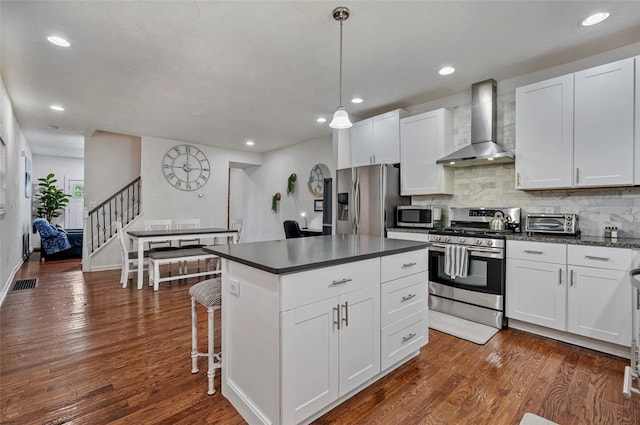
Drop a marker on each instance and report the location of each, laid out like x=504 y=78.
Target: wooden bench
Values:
x=158 y=258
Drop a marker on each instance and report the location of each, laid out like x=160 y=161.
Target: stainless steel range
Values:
x=479 y=295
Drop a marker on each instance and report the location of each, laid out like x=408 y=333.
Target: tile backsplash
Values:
x=494 y=185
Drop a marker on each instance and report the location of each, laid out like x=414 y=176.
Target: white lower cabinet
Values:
x=599 y=301
x=328 y=348
x=583 y=290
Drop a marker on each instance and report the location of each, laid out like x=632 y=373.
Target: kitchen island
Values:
x=309 y=322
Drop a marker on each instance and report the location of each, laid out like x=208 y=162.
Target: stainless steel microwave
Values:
x=566 y=224
x=418 y=216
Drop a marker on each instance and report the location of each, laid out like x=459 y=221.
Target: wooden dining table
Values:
x=139 y=237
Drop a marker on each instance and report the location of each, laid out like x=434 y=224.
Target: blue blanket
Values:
x=53 y=240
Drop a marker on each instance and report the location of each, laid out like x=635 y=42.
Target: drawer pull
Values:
x=407 y=297
x=528 y=251
x=340 y=282
x=593 y=257
x=408 y=264
x=408 y=337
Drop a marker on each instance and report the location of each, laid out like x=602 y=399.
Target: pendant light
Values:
x=341 y=117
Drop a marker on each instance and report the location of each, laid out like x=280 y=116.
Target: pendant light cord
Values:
x=340 y=95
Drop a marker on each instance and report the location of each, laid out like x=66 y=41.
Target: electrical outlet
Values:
x=234 y=287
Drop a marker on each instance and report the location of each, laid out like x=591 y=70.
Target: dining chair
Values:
x=292 y=229
x=129 y=258
x=188 y=223
x=158 y=224
x=237 y=224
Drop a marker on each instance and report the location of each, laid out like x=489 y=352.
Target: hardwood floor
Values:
x=79 y=349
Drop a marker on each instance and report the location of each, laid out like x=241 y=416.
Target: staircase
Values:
x=123 y=206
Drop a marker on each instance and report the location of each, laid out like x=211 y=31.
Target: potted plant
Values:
x=51 y=199
x=274 y=202
x=291 y=184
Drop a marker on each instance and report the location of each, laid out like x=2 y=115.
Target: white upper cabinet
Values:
x=577 y=130
x=423 y=139
x=603 y=126
x=376 y=140
x=544 y=134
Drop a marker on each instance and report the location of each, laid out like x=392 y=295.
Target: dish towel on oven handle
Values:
x=456 y=261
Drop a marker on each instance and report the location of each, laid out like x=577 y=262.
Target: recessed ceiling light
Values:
x=57 y=108
x=594 y=19
x=356 y=100
x=58 y=41
x=249 y=143
x=447 y=70
x=321 y=120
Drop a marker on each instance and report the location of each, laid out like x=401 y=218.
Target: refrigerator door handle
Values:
x=356 y=218
x=383 y=191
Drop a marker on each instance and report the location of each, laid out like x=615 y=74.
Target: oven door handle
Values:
x=479 y=252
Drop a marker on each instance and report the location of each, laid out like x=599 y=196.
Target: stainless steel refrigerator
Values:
x=366 y=198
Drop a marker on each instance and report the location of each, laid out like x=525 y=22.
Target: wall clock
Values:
x=316 y=180
x=186 y=167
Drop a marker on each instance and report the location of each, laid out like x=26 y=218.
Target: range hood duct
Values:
x=483 y=149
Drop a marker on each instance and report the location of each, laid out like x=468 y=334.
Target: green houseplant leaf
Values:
x=51 y=199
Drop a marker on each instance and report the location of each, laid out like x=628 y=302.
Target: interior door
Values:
x=73 y=211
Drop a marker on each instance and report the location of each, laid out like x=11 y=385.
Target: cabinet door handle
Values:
x=517 y=179
x=336 y=315
x=559 y=277
x=638 y=299
x=571 y=283
x=408 y=337
x=593 y=257
x=346 y=314
x=528 y=251
x=577 y=175
x=408 y=264
x=407 y=297
x=340 y=282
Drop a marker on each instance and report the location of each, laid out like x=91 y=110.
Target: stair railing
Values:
x=123 y=206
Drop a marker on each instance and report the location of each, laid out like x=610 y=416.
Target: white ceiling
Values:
x=221 y=72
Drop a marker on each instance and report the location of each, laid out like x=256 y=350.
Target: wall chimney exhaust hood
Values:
x=483 y=149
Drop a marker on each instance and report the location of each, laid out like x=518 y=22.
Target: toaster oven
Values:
x=566 y=224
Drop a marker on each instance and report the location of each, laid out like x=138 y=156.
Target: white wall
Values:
x=17 y=220
x=64 y=168
x=256 y=186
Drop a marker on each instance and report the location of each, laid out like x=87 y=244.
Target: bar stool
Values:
x=209 y=294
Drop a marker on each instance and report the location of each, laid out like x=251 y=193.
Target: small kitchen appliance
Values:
x=565 y=224
x=478 y=296
x=420 y=216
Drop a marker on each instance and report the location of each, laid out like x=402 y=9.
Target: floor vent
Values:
x=24 y=284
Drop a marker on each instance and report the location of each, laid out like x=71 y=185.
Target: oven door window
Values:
x=484 y=275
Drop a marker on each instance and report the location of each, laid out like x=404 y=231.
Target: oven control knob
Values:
x=437 y=238
x=478 y=241
x=488 y=242
x=446 y=239
x=461 y=240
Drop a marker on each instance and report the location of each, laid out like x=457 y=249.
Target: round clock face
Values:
x=186 y=167
x=316 y=181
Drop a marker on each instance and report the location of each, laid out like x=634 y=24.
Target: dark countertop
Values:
x=300 y=254
x=633 y=243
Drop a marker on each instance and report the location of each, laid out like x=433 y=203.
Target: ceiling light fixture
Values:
x=57 y=108
x=447 y=70
x=340 y=117
x=249 y=143
x=58 y=41
x=356 y=100
x=594 y=19
x=321 y=120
